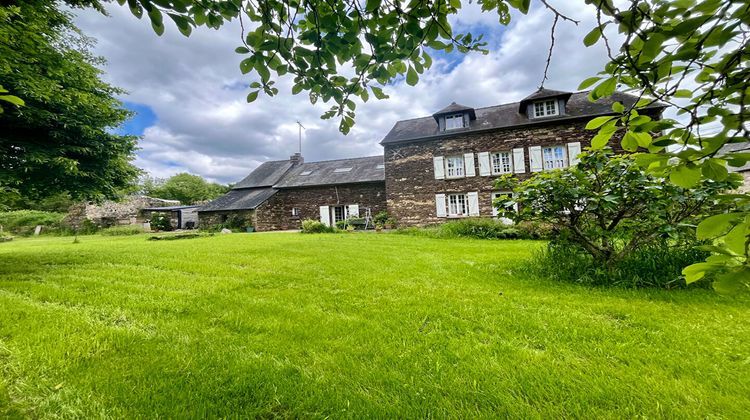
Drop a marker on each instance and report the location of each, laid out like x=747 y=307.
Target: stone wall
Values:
x=210 y=219
x=112 y=213
x=410 y=179
x=276 y=212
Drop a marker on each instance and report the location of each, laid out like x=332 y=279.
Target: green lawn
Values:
x=375 y=325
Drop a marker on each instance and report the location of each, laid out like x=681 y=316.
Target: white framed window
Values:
x=545 y=108
x=454 y=166
x=554 y=157
x=496 y=212
x=458 y=205
x=338 y=170
x=454 y=121
x=502 y=163
x=295 y=211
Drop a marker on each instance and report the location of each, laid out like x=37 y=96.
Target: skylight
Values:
x=342 y=169
x=380 y=167
x=304 y=173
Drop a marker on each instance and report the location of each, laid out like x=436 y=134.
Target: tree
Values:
x=187 y=188
x=609 y=206
x=60 y=137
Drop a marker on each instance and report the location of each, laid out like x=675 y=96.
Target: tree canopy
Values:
x=185 y=187
x=60 y=138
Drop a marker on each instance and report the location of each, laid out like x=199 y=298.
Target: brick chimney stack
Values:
x=296 y=159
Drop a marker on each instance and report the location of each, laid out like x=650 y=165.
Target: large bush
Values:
x=611 y=209
x=23 y=222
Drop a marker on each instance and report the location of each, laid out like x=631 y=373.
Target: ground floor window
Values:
x=554 y=157
x=295 y=211
x=457 y=205
x=338 y=213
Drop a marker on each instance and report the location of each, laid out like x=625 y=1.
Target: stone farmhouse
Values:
x=434 y=168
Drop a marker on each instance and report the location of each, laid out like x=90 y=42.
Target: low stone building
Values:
x=743 y=170
x=434 y=168
x=278 y=195
x=113 y=213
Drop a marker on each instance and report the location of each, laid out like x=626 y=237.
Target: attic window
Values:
x=454 y=121
x=342 y=170
x=380 y=167
x=545 y=108
x=305 y=173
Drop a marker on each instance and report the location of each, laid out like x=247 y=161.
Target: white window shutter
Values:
x=535 y=157
x=354 y=210
x=440 y=205
x=484 y=163
x=469 y=166
x=473 y=203
x=439 y=166
x=519 y=163
x=325 y=215
x=574 y=149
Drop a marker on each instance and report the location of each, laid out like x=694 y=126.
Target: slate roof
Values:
x=240 y=199
x=170 y=208
x=507 y=116
x=363 y=169
x=265 y=175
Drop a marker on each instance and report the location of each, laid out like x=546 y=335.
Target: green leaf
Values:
x=604 y=89
x=714 y=169
x=696 y=272
x=296 y=89
x=683 y=93
x=378 y=92
x=241 y=50
x=252 y=96
x=593 y=36
x=685 y=176
x=589 y=82
x=601 y=140
x=732 y=281
x=247 y=65
x=15 y=100
x=598 y=122
x=411 y=76
x=736 y=239
x=618 y=107
x=629 y=142
x=716 y=225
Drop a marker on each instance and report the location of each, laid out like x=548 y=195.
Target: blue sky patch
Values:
x=144 y=117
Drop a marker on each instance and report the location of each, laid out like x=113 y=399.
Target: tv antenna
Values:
x=300 y=136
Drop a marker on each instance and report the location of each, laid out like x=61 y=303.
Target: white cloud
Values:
x=205 y=126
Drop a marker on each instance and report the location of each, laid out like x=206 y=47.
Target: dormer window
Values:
x=545 y=108
x=454 y=121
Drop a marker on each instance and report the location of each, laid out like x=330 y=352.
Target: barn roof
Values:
x=332 y=172
x=265 y=175
x=239 y=199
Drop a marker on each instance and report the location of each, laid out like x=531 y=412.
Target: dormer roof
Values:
x=540 y=94
x=455 y=108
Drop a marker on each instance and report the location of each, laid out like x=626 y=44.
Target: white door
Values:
x=325 y=215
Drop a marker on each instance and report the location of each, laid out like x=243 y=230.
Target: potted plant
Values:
x=389 y=223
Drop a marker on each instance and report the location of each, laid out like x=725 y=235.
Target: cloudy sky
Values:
x=189 y=94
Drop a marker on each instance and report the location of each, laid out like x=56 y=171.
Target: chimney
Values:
x=296 y=159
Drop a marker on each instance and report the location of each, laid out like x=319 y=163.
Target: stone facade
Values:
x=410 y=178
x=276 y=212
x=208 y=219
x=112 y=213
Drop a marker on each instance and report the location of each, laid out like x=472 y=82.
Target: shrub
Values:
x=123 y=230
x=161 y=222
x=315 y=226
x=479 y=229
x=380 y=217
x=653 y=266
x=23 y=222
x=351 y=223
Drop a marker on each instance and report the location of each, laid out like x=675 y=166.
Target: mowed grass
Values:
x=358 y=325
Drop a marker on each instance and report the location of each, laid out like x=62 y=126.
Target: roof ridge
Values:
x=336 y=160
